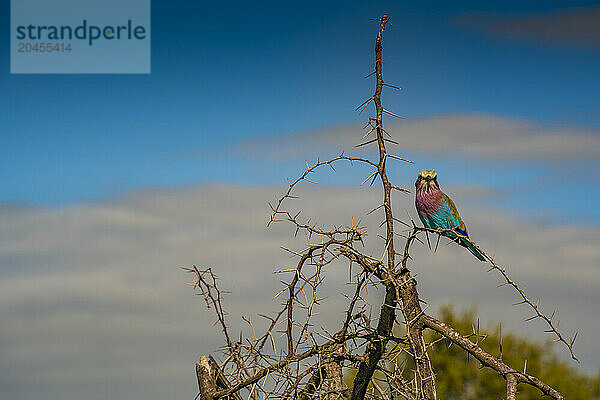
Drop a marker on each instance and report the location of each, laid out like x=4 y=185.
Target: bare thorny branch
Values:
x=507 y=280
x=294 y=359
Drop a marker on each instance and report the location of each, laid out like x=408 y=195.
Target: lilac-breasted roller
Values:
x=437 y=210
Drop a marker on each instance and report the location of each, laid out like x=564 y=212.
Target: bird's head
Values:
x=426 y=180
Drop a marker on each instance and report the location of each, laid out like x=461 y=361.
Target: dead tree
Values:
x=305 y=363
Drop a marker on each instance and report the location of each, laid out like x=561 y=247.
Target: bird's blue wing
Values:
x=443 y=217
x=453 y=217
x=446 y=217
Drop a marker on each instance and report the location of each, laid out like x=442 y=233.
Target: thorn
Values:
x=366 y=143
x=373 y=180
x=399 y=158
x=411 y=219
x=419 y=240
x=379 y=206
x=385 y=131
x=392 y=86
x=364 y=105
x=500 y=356
x=400 y=189
x=367 y=134
x=368 y=177
x=395 y=115
x=402 y=222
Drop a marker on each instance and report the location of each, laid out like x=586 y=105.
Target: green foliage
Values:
x=462 y=377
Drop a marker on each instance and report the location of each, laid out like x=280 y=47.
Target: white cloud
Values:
x=574 y=26
x=92 y=304
x=484 y=136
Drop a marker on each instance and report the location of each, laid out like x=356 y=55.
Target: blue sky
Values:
x=226 y=72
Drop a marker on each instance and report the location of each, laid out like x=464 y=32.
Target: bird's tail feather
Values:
x=466 y=244
x=474 y=250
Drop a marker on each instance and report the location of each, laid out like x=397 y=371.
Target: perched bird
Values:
x=437 y=210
